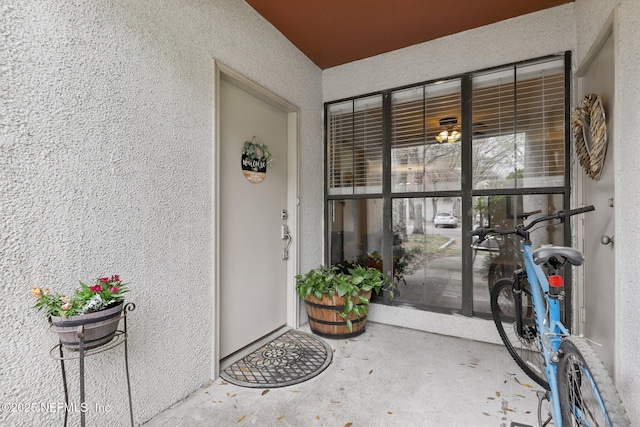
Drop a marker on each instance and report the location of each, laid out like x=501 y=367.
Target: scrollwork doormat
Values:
x=289 y=359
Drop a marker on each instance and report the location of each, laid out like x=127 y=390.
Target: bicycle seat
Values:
x=542 y=255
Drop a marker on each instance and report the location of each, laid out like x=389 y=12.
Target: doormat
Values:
x=291 y=358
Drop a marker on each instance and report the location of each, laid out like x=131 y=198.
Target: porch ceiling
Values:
x=334 y=32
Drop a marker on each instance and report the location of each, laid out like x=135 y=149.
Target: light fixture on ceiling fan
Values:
x=451 y=131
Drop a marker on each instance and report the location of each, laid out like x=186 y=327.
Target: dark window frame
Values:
x=466 y=193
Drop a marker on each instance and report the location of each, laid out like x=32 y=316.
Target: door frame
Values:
x=608 y=29
x=223 y=72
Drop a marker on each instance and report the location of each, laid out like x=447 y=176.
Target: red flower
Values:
x=113 y=289
x=104 y=279
x=115 y=278
x=96 y=288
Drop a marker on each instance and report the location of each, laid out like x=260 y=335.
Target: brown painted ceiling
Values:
x=334 y=32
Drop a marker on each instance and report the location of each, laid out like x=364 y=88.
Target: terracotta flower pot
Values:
x=99 y=327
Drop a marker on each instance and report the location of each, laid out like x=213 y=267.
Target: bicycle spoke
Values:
x=524 y=344
x=587 y=394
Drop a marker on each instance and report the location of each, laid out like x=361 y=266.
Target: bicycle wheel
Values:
x=524 y=347
x=587 y=394
x=500 y=268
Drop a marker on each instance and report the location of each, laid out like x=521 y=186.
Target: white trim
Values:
x=609 y=29
x=215 y=237
x=222 y=72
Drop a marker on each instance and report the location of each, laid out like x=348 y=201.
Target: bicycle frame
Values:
x=549 y=326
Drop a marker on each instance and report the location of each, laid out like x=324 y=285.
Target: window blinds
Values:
x=354 y=148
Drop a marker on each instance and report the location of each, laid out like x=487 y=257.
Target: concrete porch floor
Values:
x=388 y=376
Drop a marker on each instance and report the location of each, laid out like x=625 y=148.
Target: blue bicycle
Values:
x=527 y=312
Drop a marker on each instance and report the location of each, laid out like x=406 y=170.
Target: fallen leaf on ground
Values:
x=281 y=417
x=390 y=413
x=370 y=372
x=488 y=415
x=498 y=393
x=241 y=419
x=265 y=392
x=348 y=424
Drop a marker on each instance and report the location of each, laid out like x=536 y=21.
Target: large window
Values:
x=419 y=162
x=410 y=171
x=355 y=150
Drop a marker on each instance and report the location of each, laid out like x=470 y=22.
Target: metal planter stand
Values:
x=120 y=337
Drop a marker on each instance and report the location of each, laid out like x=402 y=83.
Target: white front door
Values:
x=252 y=271
x=598 y=297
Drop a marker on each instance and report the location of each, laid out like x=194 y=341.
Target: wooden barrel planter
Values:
x=99 y=327
x=325 y=320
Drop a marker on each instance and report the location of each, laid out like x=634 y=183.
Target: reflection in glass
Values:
x=498 y=257
x=427 y=252
x=420 y=159
x=354 y=146
x=518 y=126
x=356 y=231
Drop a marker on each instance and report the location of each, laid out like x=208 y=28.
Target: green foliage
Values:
x=86 y=299
x=255 y=151
x=347 y=281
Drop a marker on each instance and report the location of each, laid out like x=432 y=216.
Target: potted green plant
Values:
x=337 y=298
x=97 y=308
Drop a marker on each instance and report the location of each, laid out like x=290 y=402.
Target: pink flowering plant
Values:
x=87 y=299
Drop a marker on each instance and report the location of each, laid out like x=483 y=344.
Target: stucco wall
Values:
x=591 y=17
x=537 y=34
x=106 y=116
x=543 y=33
x=572 y=27
x=628 y=201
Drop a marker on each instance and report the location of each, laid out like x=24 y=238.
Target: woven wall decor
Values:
x=590 y=134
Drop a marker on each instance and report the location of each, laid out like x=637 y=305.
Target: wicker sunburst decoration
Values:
x=590 y=134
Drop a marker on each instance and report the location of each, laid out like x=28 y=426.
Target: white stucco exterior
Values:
x=106 y=132
x=544 y=33
x=547 y=32
x=572 y=27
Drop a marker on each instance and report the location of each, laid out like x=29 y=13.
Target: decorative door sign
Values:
x=255 y=158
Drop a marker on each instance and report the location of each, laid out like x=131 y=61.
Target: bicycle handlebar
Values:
x=522 y=229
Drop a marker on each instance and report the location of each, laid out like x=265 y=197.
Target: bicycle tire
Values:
x=525 y=348
x=578 y=397
x=500 y=268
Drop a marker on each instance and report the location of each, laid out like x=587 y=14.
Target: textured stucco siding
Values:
x=529 y=36
x=106 y=130
x=537 y=34
x=591 y=18
x=573 y=27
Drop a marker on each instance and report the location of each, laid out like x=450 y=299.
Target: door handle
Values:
x=285 y=251
x=605 y=240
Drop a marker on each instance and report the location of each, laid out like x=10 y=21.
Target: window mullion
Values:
x=387 y=206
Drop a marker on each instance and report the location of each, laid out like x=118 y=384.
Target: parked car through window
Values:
x=445 y=219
